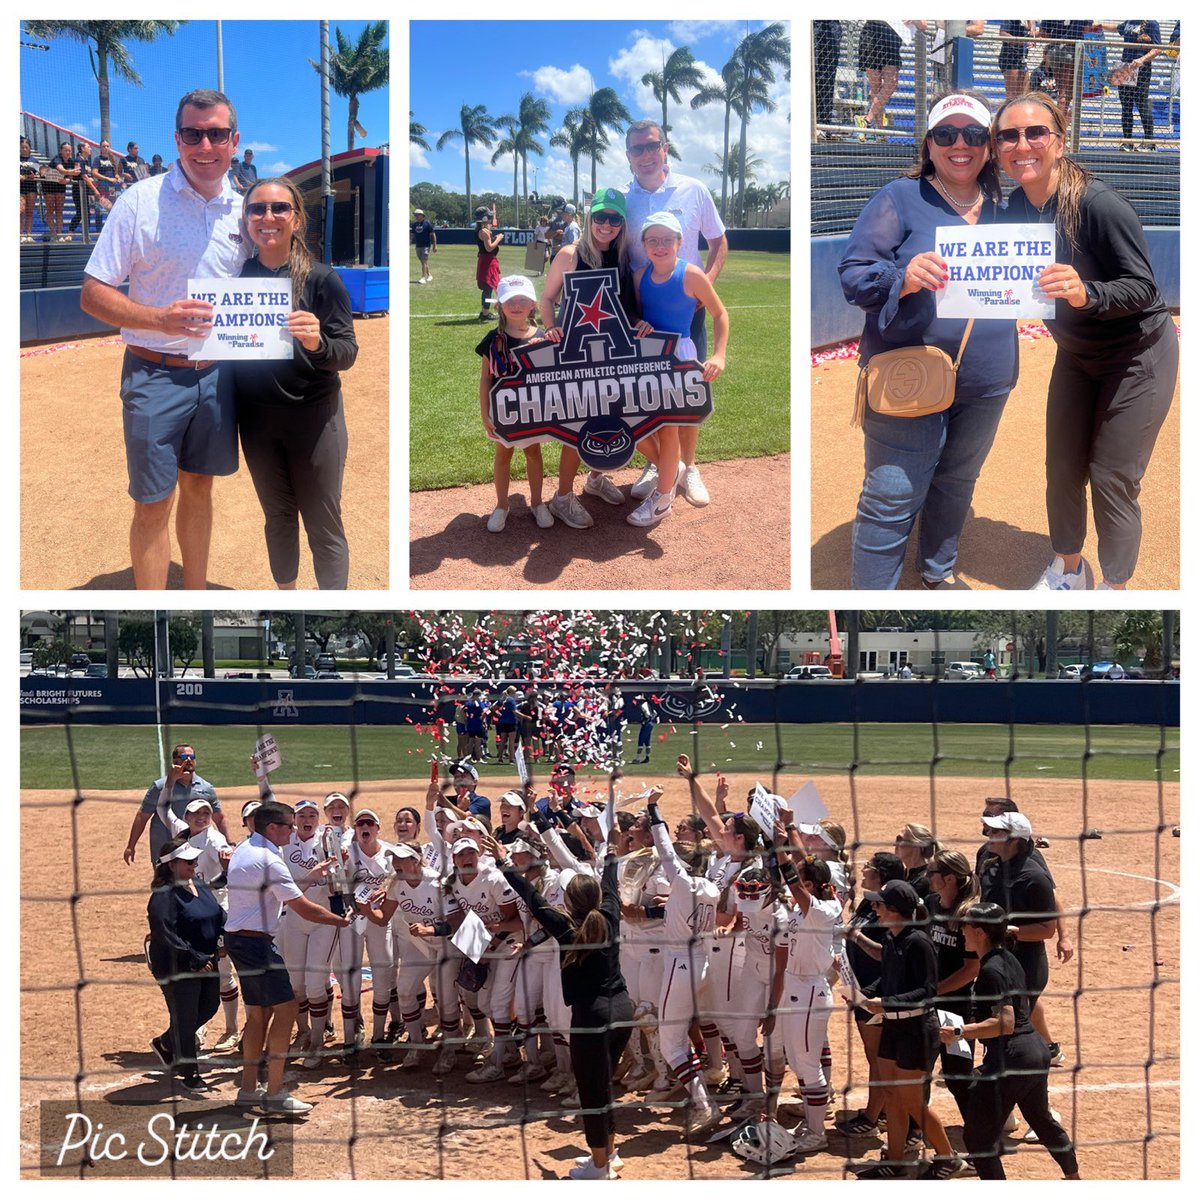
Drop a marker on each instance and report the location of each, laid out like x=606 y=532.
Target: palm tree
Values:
x=509 y=146
x=724 y=93
x=758 y=54
x=476 y=127
x=728 y=165
x=107 y=51
x=533 y=117
x=679 y=71
x=358 y=68
x=417 y=132
x=574 y=138
x=604 y=111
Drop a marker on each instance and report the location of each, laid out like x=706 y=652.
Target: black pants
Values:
x=827 y=44
x=1102 y=419
x=190 y=1003
x=1137 y=96
x=1022 y=1084
x=958 y=1073
x=297 y=456
x=596 y=1047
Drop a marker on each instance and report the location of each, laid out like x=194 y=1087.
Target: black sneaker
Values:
x=884 y=1170
x=160 y=1049
x=194 y=1085
x=728 y=1087
x=941 y=1168
x=859 y=1125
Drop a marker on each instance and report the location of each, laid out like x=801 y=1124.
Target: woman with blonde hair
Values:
x=915 y=847
x=289 y=411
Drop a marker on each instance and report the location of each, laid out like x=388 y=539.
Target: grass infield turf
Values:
x=108 y=757
x=447 y=445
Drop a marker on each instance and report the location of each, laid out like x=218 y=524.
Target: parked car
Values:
x=80 y=661
x=964 y=670
x=326 y=662
x=308 y=671
x=328 y=675
x=809 y=671
x=96 y=671
x=1071 y=671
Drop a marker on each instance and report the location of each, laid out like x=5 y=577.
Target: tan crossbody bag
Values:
x=913 y=381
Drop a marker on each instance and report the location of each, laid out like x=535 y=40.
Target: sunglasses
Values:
x=946 y=135
x=193 y=137
x=277 y=208
x=608 y=218
x=645 y=148
x=185 y=757
x=1035 y=135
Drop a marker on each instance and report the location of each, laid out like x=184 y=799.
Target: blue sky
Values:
x=267 y=76
x=562 y=61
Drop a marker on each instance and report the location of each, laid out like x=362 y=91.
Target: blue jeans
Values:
x=926 y=467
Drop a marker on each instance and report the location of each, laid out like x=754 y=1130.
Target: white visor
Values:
x=966 y=106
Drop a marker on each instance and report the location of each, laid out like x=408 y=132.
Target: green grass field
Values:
x=447 y=445
x=111 y=757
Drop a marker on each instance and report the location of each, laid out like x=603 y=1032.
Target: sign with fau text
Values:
x=249 y=319
x=600 y=389
x=994 y=271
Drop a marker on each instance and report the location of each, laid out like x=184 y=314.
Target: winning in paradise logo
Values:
x=599 y=389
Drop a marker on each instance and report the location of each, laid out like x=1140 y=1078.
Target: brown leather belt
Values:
x=168 y=360
x=254 y=933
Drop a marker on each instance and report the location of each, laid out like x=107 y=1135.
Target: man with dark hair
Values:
x=180 y=427
x=656 y=188
x=174 y=791
x=260 y=885
x=245 y=173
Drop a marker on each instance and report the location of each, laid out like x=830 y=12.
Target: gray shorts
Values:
x=423 y=252
x=176 y=419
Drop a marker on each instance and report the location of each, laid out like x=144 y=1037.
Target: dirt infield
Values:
x=75 y=510
x=410 y=1126
x=1005 y=542
x=741 y=540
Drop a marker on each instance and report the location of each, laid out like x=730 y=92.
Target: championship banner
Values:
x=600 y=389
x=249 y=319
x=994 y=271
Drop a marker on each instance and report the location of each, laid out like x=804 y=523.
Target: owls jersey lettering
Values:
x=764 y=931
x=420 y=903
x=371 y=869
x=301 y=856
x=811 y=937
x=485 y=895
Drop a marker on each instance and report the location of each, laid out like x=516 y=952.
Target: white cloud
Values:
x=416 y=156
x=278 y=168
x=645 y=55
x=78 y=127
x=693 y=31
x=259 y=147
x=567 y=87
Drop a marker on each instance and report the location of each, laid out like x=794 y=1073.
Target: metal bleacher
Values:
x=846 y=172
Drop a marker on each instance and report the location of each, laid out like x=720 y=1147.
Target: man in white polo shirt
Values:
x=180 y=429
x=655 y=187
x=260 y=884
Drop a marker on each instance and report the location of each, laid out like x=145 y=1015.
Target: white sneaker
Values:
x=1011 y=1124
x=488 y=1073
x=570 y=512
x=589 y=1170
x=543 y=516
x=528 y=1073
x=252 y=1099
x=691 y=487
x=603 y=486
x=555 y=1082
x=1056 y=579
x=286 y=1103
x=645 y=482
x=495 y=523
x=614 y=1161
x=810 y=1141
x=420 y=281
x=653 y=509
x=715 y=1075
x=704 y=1119
x=447 y=1059
x=229 y=1041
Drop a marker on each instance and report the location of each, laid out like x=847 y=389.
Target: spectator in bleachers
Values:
x=1059 y=58
x=1132 y=78
x=925 y=467
x=106 y=175
x=133 y=165
x=827 y=47
x=1118 y=352
x=938 y=57
x=245 y=173
x=879 y=58
x=85 y=188
x=54 y=191
x=29 y=188
x=156 y=166
x=1014 y=56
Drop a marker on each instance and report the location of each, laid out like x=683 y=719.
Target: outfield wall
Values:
x=833 y=320
x=288 y=702
x=777 y=241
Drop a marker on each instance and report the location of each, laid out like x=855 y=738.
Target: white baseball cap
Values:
x=403 y=851
x=335 y=796
x=570 y=208
x=512 y=286
x=366 y=814
x=1013 y=823
x=465 y=768
x=463 y=844
x=197 y=804
x=666 y=220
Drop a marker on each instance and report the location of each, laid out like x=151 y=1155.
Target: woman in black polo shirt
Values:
x=186 y=921
x=289 y=411
x=1016 y=1062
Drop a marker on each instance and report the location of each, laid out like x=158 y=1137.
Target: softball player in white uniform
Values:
x=370 y=868
x=688 y=925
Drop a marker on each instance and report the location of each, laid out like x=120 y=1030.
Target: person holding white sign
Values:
x=289 y=411
x=1118 y=351
x=925 y=467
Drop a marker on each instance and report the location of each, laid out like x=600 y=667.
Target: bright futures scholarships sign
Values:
x=600 y=389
